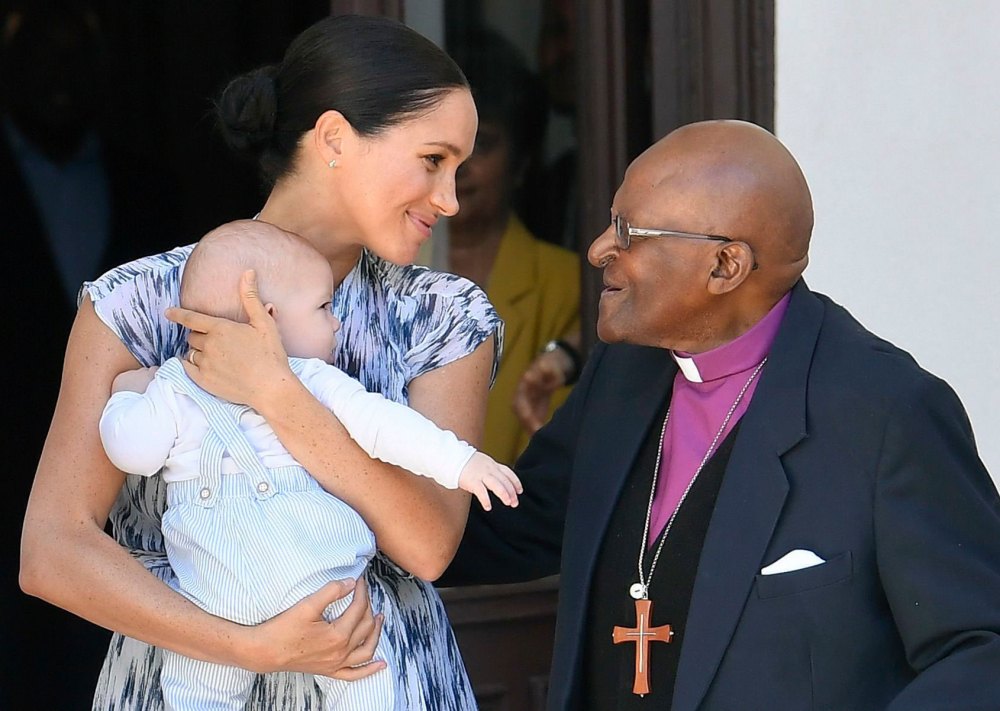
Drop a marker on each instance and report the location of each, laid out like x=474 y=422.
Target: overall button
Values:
x=205 y=493
x=263 y=487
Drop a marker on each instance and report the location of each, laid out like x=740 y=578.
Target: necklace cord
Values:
x=644 y=581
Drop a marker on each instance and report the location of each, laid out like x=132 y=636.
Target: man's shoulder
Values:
x=860 y=382
x=843 y=331
x=859 y=360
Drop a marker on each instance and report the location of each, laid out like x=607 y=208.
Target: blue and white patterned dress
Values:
x=398 y=323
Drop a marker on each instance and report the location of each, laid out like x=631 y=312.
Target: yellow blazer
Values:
x=535 y=288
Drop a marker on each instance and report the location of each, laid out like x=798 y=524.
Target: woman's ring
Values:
x=191 y=357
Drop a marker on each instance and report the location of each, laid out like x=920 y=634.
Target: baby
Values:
x=248 y=531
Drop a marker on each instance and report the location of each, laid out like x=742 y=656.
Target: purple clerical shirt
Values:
x=705 y=388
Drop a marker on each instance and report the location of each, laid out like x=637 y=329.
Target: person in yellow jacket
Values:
x=534 y=285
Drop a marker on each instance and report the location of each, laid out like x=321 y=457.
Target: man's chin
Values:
x=607 y=333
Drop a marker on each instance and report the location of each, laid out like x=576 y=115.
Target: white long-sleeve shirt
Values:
x=162 y=429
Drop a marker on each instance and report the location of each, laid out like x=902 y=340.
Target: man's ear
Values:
x=329 y=133
x=733 y=264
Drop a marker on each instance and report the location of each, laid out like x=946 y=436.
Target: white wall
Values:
x=892 y=109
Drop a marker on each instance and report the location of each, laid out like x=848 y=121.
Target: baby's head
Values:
x=294 y=280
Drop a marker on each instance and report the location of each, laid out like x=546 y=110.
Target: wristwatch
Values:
x=574 y=357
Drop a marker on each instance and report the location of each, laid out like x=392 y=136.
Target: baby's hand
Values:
x=482 y=475
x=134 y=380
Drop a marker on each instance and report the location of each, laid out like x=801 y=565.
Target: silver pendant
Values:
x=637 y=591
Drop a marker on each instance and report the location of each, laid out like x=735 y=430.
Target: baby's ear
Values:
x=270 y=309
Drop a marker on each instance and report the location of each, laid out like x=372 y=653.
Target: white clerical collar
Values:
x=688 y=367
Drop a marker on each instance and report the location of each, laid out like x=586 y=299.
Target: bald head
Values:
x=212 y=273
x=736 y=216
x=735 y=179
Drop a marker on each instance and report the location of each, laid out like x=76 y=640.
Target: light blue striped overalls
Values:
x=247 y=546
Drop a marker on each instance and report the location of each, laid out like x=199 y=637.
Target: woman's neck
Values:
x=296 y=212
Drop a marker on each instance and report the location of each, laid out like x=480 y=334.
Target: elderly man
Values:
x=757 y=504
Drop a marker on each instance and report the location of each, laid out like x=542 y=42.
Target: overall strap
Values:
x=224 y=432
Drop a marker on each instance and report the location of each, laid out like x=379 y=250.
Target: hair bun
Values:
x=247 y=109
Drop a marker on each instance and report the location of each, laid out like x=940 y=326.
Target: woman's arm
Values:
x=417 y=523
x=68 y=560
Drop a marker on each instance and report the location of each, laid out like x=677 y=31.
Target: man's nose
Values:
x=602 y=249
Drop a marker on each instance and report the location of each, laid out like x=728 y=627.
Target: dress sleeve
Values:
x=130 y=300
x=451 y=318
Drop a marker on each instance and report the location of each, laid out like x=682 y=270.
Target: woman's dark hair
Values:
x=376 y=71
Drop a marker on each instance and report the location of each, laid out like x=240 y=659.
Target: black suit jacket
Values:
x=850 y=450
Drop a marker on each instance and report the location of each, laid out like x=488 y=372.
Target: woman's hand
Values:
x=300 y=640
x=239 y=362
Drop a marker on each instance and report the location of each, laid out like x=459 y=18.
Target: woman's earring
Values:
x=333 y=163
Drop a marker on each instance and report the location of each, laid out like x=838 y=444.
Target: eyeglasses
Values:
x=625 y=233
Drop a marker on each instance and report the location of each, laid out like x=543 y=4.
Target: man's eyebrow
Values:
x=450 y=147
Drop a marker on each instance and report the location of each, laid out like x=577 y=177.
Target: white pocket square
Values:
x=793 y=560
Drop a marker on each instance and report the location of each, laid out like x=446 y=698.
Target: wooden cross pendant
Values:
x=642 y=634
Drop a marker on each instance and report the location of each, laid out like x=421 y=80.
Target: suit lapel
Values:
x=609 y=444
x=750 y=500
x=620 y=412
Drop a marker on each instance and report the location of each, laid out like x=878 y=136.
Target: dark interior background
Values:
x=170 y=60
